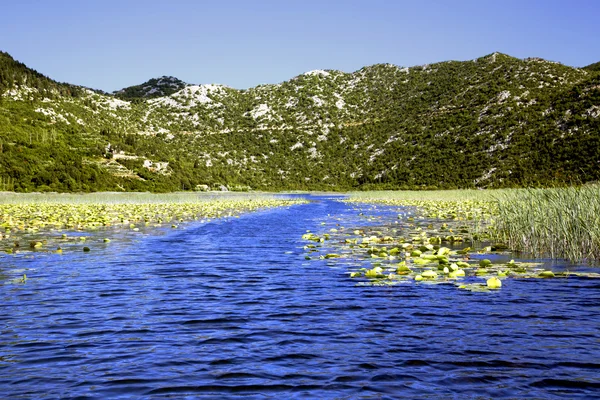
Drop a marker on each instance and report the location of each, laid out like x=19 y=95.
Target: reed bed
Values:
x=558 y=223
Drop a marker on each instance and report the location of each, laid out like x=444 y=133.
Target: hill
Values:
x=496 y=121
x=593 y=67
x=156 y=87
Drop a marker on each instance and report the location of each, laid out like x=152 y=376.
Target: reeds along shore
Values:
x=560 y=223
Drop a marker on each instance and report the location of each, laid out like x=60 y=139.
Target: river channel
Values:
x=232 y=309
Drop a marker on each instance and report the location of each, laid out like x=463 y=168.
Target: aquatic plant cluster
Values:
x=37 y=226
x=556 y=223
x=474 y=209
x=431 y=242
x=559 y=223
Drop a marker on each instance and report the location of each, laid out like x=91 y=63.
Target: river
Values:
x=231 y=309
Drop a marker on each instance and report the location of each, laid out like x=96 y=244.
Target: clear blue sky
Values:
x=107 y=44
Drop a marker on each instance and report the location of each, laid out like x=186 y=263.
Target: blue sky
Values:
x=107 y=44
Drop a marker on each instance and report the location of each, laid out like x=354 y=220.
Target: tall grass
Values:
x=561 y=223
x=556 y=223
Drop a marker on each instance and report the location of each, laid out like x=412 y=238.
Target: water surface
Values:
x=231 y=309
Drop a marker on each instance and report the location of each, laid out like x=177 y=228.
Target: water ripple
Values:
x=231 y=309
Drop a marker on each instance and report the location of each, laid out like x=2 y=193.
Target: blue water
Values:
x=231 y=309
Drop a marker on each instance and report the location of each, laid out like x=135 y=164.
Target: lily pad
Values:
x=485 y=263
x=429 y=274
x=494 y=283
x=546 y=274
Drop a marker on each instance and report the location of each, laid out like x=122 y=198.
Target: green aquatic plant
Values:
x=22 y=279
x=559 y=223
x=494 y=283
x=463 y=215
x=43 y=215
x=376 y=272
x=546 y=274
x=402 y=252
x=485 y=263
x=555 y=223
x=429 y=274
x=332 y=255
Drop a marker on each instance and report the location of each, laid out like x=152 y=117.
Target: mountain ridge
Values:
x=154 y=87
x=321 y=72
x=593 y=67
x=448 y=124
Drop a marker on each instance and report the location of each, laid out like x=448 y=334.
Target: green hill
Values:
x=14 y=74
x=156 y=87
x=496 y=121
x=593 y=67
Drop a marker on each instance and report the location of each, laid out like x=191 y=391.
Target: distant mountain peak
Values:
x=317 y=72
x=155 y=87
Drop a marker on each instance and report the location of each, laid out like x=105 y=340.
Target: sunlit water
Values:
x=231 y=308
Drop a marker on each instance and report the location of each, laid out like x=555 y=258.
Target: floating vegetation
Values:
x=433 y=242
x=561 y=223
x=494 y=283
x=20 y=280
x=40 y=218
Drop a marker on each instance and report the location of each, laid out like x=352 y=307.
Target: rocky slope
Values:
x=156 y=87
x=491 y=122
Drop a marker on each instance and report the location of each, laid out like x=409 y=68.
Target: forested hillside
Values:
x=156 y=87
x=496 y=121
x=593 y=67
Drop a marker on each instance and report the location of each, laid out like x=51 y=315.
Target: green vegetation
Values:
x=40 y=219
x=473 y=208
x=593 y=67
x=462 y=238
x=557 y=223
x=156 y=87
x=422 y=249
x=560 y=223
x=494 y=122
x=14 y=74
